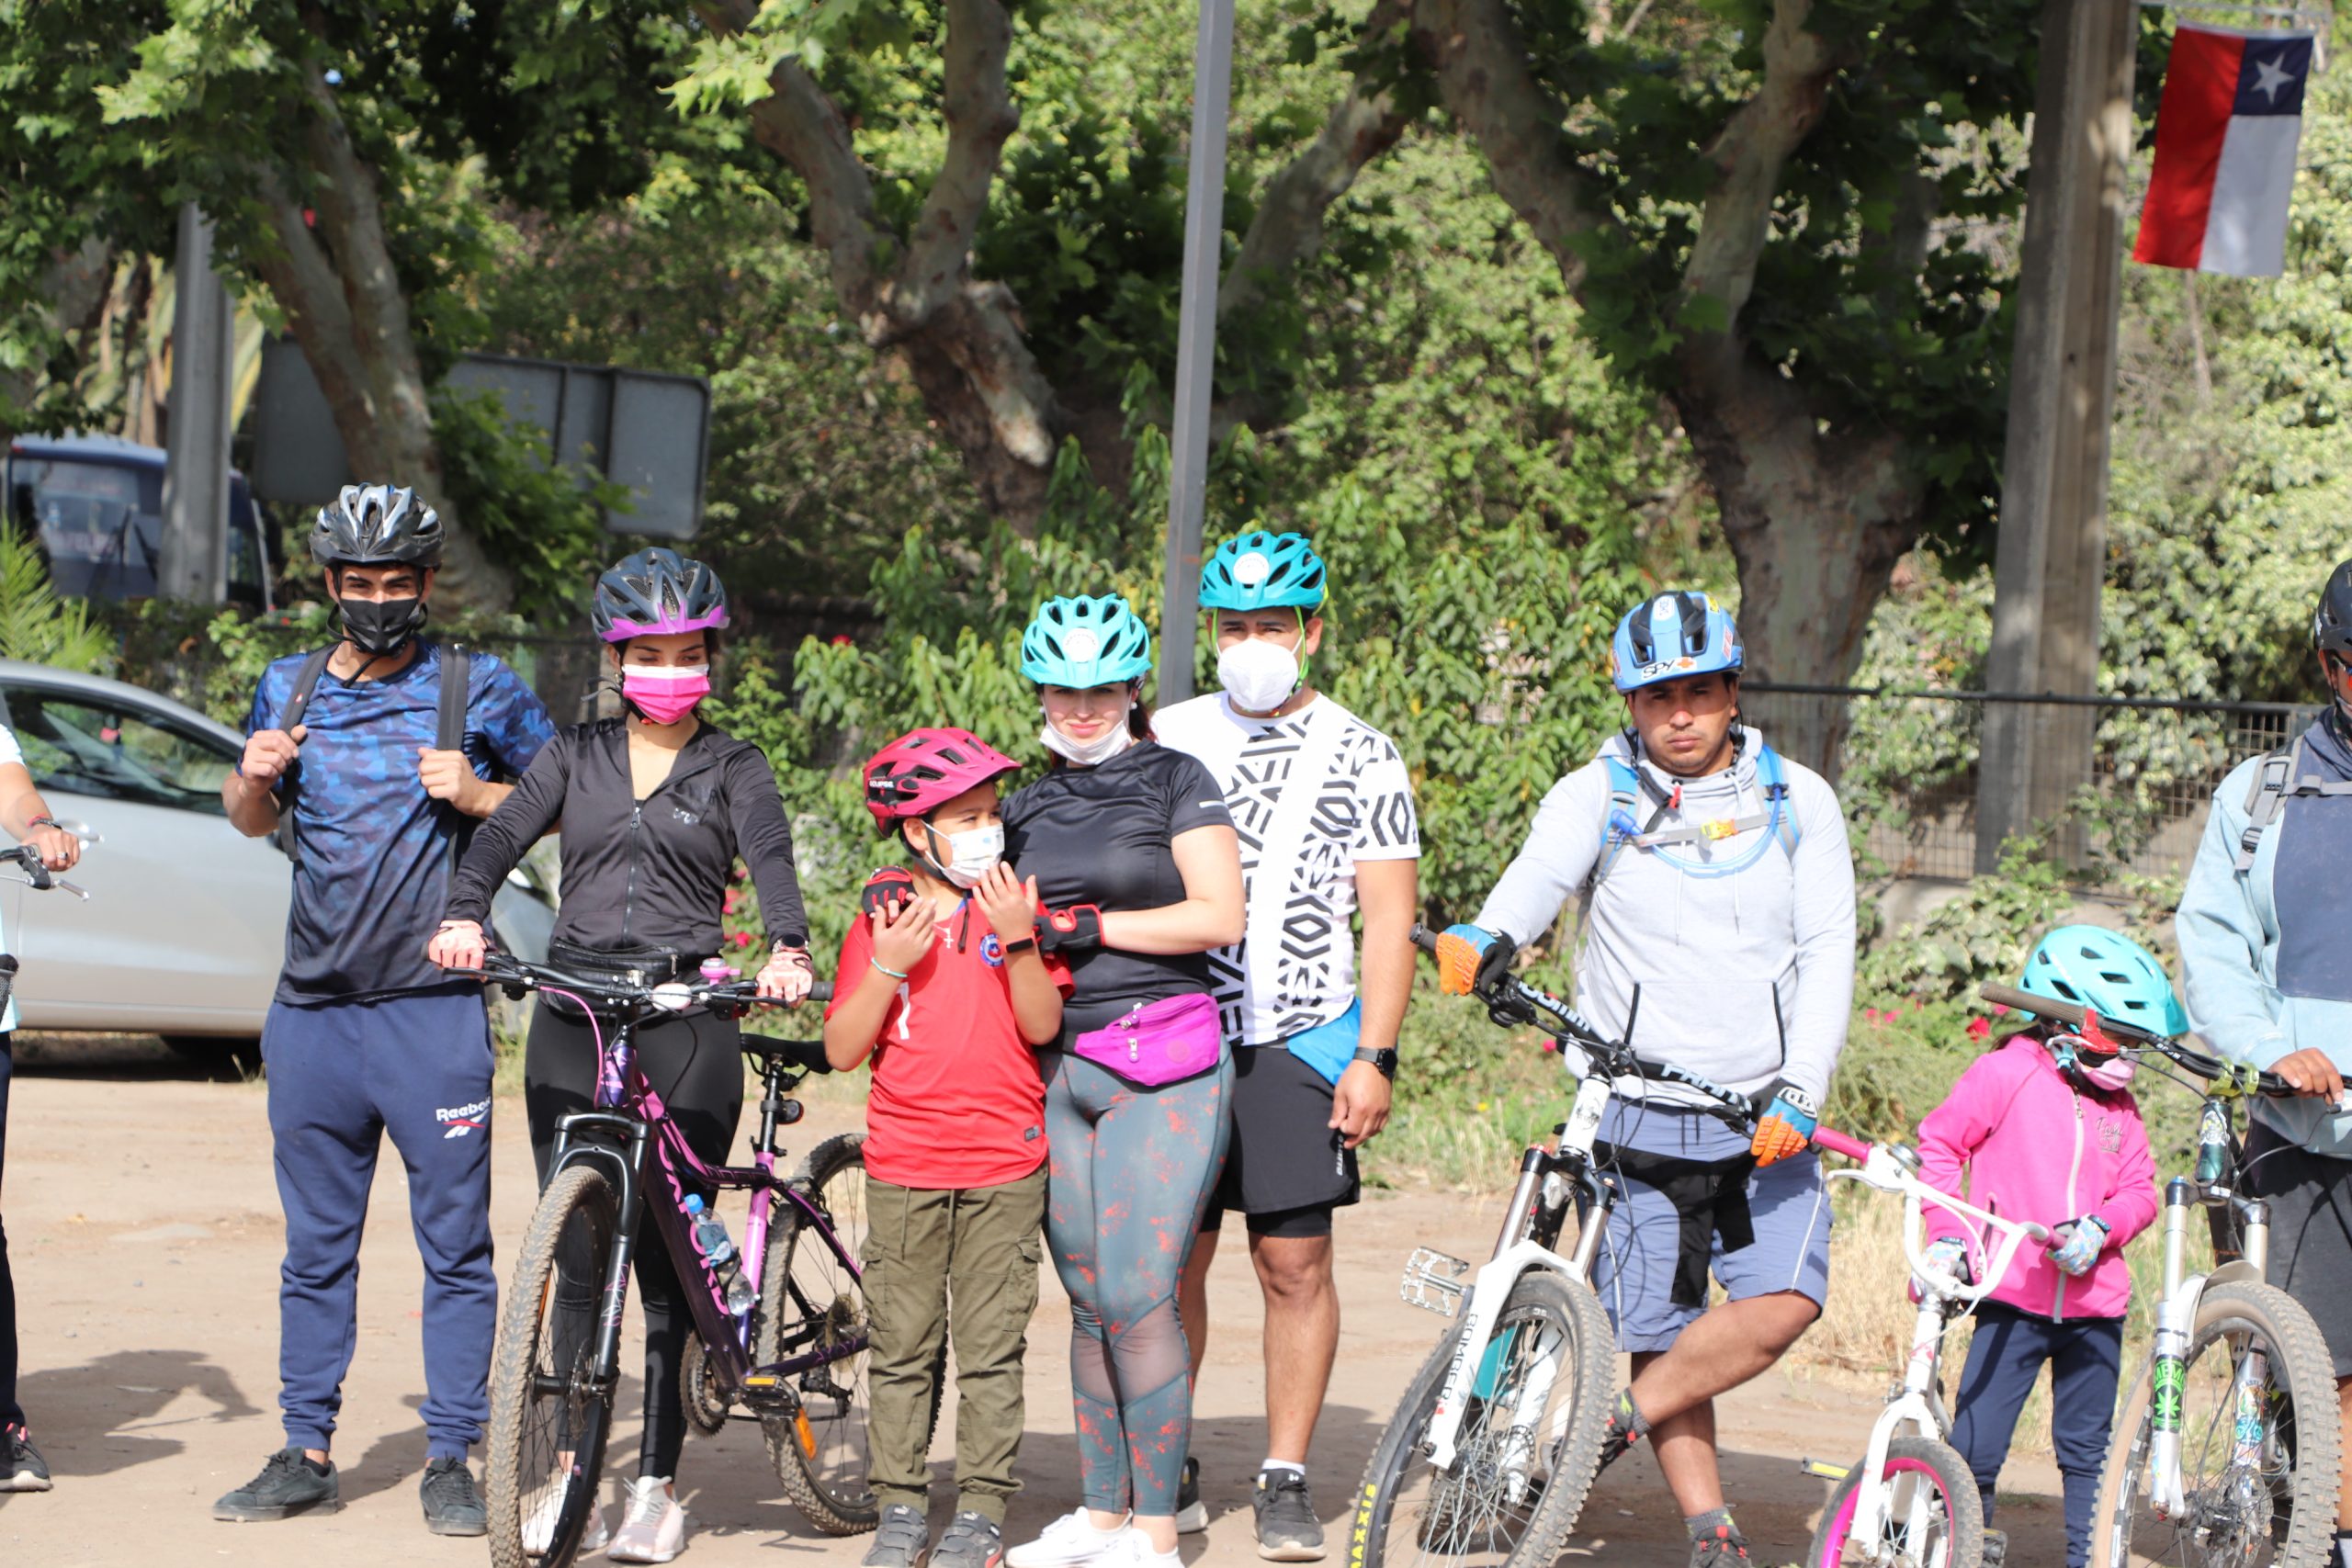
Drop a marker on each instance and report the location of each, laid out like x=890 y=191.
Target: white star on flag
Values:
x=2268 y=78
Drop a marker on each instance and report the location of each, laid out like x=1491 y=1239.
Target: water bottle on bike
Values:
x=718 y=1249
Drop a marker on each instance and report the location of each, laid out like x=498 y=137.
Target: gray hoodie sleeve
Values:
x=1561 y=847
x=1823 y=919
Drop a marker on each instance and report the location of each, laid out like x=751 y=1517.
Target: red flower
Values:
x=1978 y=1028
x=726 y=904
x=842 y=641
x=742 y=939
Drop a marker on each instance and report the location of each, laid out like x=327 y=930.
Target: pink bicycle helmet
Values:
x=923 y=769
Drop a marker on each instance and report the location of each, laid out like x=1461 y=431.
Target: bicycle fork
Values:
x=2253 y=1438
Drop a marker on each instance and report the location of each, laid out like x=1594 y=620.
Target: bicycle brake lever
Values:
x=65 y=886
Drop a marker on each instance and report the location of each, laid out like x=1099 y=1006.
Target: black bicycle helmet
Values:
x=654 y=591
x=377 y=526
x=2332 y=621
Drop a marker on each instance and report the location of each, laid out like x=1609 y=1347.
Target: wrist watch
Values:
x=1384 y=1061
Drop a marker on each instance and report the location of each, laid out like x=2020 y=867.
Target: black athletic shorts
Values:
x=2311 y=1232
x=1287 y=1167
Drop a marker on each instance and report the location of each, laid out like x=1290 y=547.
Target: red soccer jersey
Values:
x=956 y=1100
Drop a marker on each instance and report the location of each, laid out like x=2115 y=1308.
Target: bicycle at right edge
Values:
x=1496 y=1443
x=2227 y=1445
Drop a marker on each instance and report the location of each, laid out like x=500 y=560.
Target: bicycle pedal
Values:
x=1433 y=1281
x=1824 y=1470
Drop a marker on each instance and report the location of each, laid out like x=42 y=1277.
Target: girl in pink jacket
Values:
x=2049 y=1132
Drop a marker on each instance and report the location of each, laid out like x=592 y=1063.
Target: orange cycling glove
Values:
x=1786 y=1126
x=1470 y=959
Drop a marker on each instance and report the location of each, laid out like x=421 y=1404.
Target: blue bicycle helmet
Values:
x=1258 y=570
x=1080 y=642
x=2107 y=972
x=1671 y=636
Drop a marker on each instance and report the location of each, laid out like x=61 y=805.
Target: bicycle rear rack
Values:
x=1433 y=1281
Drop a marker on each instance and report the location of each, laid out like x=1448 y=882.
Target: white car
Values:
x=185 y=928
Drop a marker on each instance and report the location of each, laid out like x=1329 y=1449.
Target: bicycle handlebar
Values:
x=1883 y=1167
x=1512 y=1001
x=36 y=874
x=680 y=991
x=2209 y=1067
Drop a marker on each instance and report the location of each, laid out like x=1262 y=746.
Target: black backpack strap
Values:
x=306 y=680
x=456 y=669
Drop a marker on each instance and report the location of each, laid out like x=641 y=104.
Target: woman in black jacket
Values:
x=654 y=808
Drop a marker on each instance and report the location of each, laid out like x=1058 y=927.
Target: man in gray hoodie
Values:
x=1717 y=935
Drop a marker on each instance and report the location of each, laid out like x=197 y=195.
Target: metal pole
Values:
x=195 y=556
x=1195 y=348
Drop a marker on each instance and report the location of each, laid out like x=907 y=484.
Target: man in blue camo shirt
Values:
x=366 y=1037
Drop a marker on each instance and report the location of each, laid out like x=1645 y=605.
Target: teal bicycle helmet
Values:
x=1080 y=642
x=2107 y=973
x=1258 y=570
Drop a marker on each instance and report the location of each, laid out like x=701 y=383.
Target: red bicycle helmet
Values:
x=923 y=769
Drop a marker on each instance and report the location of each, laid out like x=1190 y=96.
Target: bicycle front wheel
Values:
x=1933 y=1520
x=812 y=1305
x=1527 y=1450
x=2259 y=1446
x=550 y=1403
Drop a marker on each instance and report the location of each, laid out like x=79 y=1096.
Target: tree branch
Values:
x=1483 y=71
x=1288 y=226
x=1749 y=154
x=303 y=281
x=981 y=117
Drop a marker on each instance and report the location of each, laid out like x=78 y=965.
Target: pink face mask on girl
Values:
x=665 y=694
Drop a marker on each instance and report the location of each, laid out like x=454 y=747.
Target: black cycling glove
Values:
x=1068 y=929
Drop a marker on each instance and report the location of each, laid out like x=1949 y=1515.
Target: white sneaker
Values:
x=653 y=1527
x=539 y=1531
x=1133 y=1549
x=1070 y=1542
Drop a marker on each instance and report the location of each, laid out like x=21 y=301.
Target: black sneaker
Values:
x=1191 y=1514
x=970 y=1540
x=901 y=1540
x=285 y=1486
x=1288 y=1531
x=21 y=1467
x=452 y=1506
x=1724 y=1548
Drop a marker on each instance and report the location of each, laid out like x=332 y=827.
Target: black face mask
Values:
x=379 y=626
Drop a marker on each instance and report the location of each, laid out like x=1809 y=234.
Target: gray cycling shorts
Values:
x=1788 y=1219
x=2310 y=1231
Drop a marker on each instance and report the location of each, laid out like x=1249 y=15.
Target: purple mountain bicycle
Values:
x=794 y=1361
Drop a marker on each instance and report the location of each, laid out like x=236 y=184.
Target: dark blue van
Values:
x=97 y=504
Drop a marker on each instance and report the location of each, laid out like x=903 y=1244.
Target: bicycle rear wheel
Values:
x=811 y=1302
x=550 y=1403
x=1933 y=1520
x=2263 y=1498
x=1527 y=1451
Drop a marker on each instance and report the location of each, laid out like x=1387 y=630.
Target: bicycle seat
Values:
x=808 y=1056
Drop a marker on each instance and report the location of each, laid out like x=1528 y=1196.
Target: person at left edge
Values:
x=366 y=1037
x=654 y=808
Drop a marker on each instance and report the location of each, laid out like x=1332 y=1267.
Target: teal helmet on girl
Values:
x=1080 y=642
x=2109 y=973
x=1258 y=570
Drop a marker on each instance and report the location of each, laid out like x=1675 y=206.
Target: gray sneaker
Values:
x=285 y=1486
x=1191 y=1514
x=21 y=1467
x=900 y=1540
x=452 y=1506
x=970 y=1540
x=1288 y=1531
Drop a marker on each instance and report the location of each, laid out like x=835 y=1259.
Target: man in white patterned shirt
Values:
x=1324 y=806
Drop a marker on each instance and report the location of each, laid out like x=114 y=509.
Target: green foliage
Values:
x=243 y=646
x=37 y=625
x=537 y=517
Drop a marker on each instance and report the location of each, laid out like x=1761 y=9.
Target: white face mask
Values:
x=970 y=855
x=1259 y=674
x=1086 y=753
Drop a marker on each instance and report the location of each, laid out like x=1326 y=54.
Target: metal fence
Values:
x=1907 y=770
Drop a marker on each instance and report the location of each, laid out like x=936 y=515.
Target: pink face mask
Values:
x=665 y=694
x=2112 y=1074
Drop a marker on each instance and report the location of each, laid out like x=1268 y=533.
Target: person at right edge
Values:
x=2269 y=976
x=1718 y=936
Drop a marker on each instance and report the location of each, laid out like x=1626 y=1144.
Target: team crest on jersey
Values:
x=992 y=950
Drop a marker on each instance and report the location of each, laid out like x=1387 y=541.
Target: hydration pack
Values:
x=2281 y=774
x=1628 y=784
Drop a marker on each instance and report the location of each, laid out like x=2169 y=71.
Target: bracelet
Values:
x=44 y=822
x=894 y=974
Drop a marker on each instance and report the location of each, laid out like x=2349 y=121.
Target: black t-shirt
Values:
x=1101 y=836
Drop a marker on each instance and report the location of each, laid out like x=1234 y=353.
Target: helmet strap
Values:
x=930 y=855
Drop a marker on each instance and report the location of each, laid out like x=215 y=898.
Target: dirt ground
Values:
x=144 y=1230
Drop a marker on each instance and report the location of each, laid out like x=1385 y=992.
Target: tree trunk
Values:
x=74 y=286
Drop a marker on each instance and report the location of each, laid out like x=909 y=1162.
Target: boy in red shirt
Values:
x=943 y=984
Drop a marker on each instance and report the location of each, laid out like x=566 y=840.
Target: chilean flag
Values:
x=2226 y=134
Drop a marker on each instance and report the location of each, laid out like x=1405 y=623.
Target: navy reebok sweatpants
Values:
x=11 y=1412
x=2004 y=1357
x=342 y=1075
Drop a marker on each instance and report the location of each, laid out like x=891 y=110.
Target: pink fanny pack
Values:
x=1158 y=1042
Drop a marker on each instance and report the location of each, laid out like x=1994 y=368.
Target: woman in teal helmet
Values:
x=2047 y=1131
x=1134 y=857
